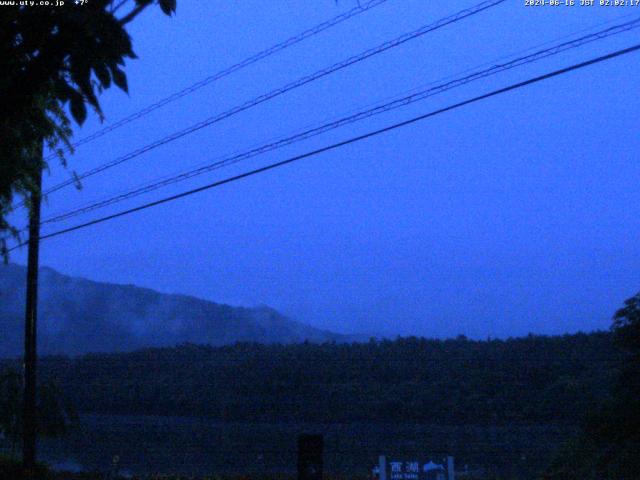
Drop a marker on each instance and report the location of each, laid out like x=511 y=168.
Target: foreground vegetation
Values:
x=608 y=446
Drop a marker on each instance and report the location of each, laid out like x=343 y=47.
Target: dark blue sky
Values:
x=518 y=214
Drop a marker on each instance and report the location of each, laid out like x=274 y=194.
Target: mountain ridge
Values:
x=78 y=315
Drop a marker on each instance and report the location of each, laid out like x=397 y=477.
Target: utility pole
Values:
x=30 y=330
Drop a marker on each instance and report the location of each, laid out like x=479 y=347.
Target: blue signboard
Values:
x=401 y=469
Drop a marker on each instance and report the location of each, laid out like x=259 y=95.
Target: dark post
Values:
x=310 y=449
x=30 y=324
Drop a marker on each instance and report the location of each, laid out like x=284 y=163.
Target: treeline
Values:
x=536 y=379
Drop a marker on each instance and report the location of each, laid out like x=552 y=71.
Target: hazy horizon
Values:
x=388 y=335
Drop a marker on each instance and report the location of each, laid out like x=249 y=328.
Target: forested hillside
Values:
x=534 y=379
x=79 y=316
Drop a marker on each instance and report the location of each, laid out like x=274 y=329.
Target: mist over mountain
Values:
x=79 y=316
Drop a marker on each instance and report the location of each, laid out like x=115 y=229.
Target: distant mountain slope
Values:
x=79 y=316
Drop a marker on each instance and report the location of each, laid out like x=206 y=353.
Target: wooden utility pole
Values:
x=30 y=330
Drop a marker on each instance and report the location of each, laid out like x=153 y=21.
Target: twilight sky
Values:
x=514 y=215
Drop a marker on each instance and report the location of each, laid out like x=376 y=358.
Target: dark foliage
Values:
x=53 y=59
x=609 y=444
x=527 y=380
x=56 y=414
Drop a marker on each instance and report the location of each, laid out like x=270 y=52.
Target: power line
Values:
x=282 y=90
x=218 y=76
x=208 y=166
x=229 y=70
x=397 y=103
x=343 y=143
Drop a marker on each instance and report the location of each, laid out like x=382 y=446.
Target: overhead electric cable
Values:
x=468 y=12
x=218 y=76
x=229 y=70
x=397 y=103
x=343 y=143
x=368 y=105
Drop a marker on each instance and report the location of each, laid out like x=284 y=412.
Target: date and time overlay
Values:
x=582 y=3
x=526 y=3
